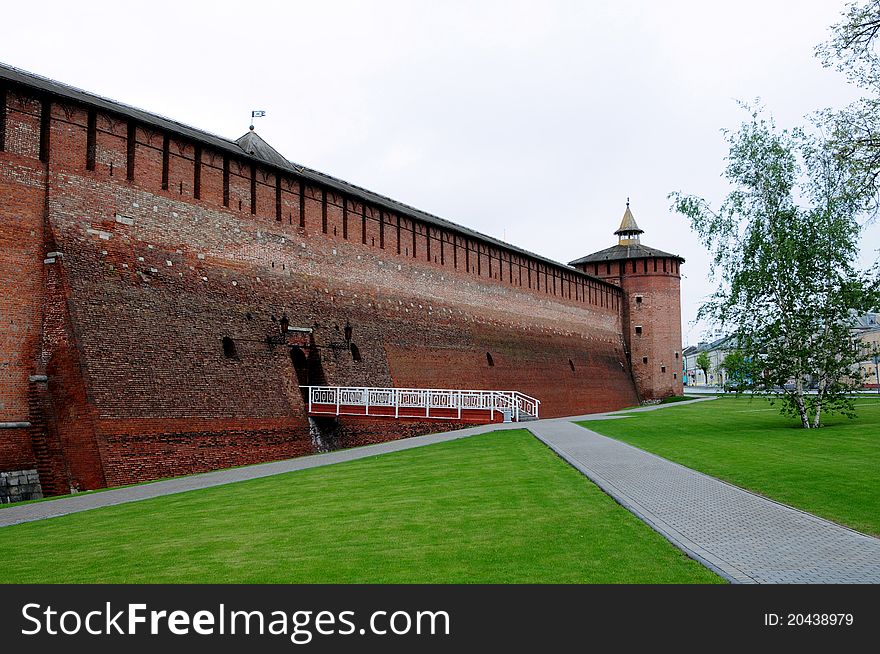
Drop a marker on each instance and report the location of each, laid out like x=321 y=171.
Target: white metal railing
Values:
x=381 y=400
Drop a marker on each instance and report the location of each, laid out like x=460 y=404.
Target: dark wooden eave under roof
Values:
x=62 y=91
x=621 y=252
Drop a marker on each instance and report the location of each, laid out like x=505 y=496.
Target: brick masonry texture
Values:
x=651 y=320
x=147 y=279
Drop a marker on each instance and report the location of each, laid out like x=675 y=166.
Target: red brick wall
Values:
x=153 y=280
x=563 y=371
x=21 y=263
x=658 y=282
x=152 y=454
x=659 y=314
x=355 y=432
x=22 y=189
x=71 y=423
x=16 y=452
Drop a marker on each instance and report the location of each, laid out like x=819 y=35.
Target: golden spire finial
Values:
x=628 y=231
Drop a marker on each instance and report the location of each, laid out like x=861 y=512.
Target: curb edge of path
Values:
x=694 y=551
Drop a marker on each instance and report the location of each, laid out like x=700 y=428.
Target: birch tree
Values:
x=703 y=363
x=854 y=131
x=784 y=243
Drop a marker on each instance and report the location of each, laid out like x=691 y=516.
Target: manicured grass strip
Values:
x=833 y=472
x=677 y=398
x=499 y=507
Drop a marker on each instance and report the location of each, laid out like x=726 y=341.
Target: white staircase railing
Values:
x=448 y=404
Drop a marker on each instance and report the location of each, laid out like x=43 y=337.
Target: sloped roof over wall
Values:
x=617 y=252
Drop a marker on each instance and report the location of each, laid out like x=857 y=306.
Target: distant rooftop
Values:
x=867 y=321
x=727 y=342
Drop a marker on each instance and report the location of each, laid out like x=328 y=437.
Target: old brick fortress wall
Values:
x=651 y=320
x=147 y=272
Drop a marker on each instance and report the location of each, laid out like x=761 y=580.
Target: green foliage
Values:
x=703 y=363
x=851 y=48
x=494 y=508
x=854 y=131
x=740 y=371
x=672 y=399
x=783 y=243
x=833 y=472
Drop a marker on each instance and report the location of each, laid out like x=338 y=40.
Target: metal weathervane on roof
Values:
x=258 y=113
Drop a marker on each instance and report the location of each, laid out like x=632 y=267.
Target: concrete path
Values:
x=741 y=536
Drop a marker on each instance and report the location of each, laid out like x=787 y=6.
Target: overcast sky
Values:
x=529 y=121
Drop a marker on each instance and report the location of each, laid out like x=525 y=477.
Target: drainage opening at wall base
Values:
x=490 y=360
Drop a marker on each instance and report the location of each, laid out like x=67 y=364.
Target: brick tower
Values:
x=651 y=307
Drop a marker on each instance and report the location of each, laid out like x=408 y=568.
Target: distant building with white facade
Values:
x=716 y=350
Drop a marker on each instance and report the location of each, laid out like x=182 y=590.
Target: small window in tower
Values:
x=639 y=330
x=229 y=348
x=644 y=359
x=639 y=299
x=490 y=360
x=355 y=353
x=675 y=375
x=662 y=368
x=676 y=355
x=571 y=365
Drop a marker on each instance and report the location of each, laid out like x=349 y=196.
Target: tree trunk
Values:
x=801 y=406
x=820 y=396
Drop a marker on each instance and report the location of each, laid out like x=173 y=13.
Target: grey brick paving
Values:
x=742 y=536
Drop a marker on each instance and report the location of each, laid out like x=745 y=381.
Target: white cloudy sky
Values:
x=529 y=121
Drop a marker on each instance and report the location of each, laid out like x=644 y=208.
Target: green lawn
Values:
x=499 y=507
x=833 y=472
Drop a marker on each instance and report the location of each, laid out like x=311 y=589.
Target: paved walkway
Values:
x=743 y=537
